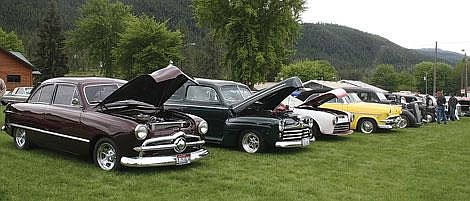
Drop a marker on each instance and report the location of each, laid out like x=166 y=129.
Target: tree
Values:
x=50 y=55
x=97 y=30
x=444 y=77
x=10 y=42
x=146 y=46
x=259 y=35
x=385 y=77
x=309 y=70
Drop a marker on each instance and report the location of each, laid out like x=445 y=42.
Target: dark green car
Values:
x=236 y=117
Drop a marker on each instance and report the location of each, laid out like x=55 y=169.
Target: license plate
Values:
x=305 y=141
x=182 y=159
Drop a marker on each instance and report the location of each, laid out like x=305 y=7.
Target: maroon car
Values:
x=119 y=123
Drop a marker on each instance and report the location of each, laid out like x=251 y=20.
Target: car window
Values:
x=179 y=94
x=201 y=93
x=35 y=97
x=20 y=91
x=64 y=94
x=28 y=90
x=46 y=94
x=234 y=93
x=96 y=93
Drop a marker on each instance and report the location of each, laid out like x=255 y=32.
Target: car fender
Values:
x=324 y=120
x=234 y=127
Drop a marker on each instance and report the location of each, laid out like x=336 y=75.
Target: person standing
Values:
x=3 y=87
x=441 y=113
x=452 y=107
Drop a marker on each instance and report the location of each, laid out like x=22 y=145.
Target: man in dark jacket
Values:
x=441 y=113
x=452 y=107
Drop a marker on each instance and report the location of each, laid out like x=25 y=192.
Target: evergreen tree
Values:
x=10 y=42
x=50 y=55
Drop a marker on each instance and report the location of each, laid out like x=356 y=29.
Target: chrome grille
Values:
x=295 y=134
x=341 y=127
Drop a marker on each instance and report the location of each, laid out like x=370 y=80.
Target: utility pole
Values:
x=434 y=73
x=426 y=81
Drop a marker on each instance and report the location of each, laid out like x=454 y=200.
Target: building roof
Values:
x=363 y=85
x=18 y=56
x=329 y=84
x=22 y=57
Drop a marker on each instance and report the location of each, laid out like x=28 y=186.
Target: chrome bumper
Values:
x=290 y=144
x=161 y=160
x=390 y=123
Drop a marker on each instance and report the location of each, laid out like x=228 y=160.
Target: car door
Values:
x=205 y=102
x=63 y=118
x=40 y=104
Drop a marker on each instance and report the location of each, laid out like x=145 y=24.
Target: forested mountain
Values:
x=349 y=50
x=352 y=51
x=442 y=55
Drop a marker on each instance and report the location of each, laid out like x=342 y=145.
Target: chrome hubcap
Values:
x=20 y=137
x=403 y=122
x=250 y=142
x=367 y=127
x=106 y=156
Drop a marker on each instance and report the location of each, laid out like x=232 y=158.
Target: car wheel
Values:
x=405 y=122
x=316 y=131
x=367 y=125
x=251 y=142
x=21 y=139
x=106 y=155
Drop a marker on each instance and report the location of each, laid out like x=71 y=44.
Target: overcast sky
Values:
x=409 y=23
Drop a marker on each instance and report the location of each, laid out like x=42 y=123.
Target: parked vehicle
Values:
x=327 y=121
x=118 y=123
x=368 y=117
x=238 y=118
x=464 y=103
x=411 y=115
x=19 y=94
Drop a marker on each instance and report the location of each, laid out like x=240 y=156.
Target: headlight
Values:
x=335 y=120
x=141 y=131
x=281 y=125
x=203 y=127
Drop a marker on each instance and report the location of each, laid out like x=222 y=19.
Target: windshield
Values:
x=235 y=93
x=353 y=98
x=28 y=90
x=381 y=96
x=96 y=93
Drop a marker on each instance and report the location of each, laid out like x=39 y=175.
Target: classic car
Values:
x=411 y=114
x=368 y=117
x=19 y=94
x=238 y=118
x=118 y=123
x=464 y=103
x=327 y=121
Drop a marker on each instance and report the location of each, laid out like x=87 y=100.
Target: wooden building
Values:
x=15 y=69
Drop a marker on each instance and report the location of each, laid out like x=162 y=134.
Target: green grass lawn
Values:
x=427 y=163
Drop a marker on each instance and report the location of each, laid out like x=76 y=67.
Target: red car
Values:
x=118 y=123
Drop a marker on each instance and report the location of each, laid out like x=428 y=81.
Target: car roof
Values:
x=82 y=80
x=204 y=81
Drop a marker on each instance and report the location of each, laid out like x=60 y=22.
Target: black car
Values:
x=238 y=118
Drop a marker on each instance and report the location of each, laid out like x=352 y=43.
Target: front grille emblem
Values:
x=180 y=145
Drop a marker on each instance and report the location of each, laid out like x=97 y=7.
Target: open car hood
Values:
x=153 y=89
x=270 y=97
x=316 y=100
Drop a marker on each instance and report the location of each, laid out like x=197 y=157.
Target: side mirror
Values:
x=75 y=101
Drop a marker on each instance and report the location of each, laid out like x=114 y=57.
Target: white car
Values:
x=327 y=121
